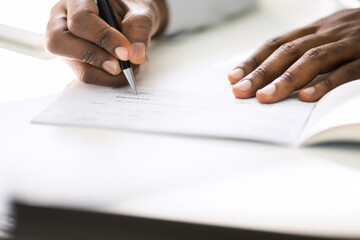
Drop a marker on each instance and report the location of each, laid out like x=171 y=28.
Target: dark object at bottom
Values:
x=42 y=223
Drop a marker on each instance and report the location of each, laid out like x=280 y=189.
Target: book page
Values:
x=187 y=113
x=336 y=116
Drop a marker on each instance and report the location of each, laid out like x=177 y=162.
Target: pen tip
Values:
x=131 y=79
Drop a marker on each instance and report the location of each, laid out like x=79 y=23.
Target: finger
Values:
x=138 y=27
x=84 y=22
x=277 y=63
x=61 y=42
x=92 y=75
x=316 y=61
x=249 y=65
x=344 y=74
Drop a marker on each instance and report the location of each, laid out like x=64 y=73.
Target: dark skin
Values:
x=282 y=66
x=291 y=61
x=92 y=48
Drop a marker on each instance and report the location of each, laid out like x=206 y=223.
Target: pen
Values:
x=107 y=14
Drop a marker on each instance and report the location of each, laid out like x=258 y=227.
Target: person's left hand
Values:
x=289 y=62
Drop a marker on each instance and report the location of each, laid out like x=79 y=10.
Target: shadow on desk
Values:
x=339 y=152
x=38 y=223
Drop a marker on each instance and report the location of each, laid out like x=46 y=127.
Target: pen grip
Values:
x=107 y=14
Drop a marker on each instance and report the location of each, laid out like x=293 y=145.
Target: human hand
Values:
x=289 y=62
x=92 y=48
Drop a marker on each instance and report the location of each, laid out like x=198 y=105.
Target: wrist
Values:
x=161 y=16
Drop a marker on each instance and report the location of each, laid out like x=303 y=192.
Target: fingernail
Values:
x=268 y=90
x=139 y=50
x=237 y=74
x=309 y=91
x=112 y=67
x=244 y=85
x=122 y=53
x=143 y=65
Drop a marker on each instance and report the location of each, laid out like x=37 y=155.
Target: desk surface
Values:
x=215 y=181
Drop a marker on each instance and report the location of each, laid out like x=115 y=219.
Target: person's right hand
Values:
x=92 y=48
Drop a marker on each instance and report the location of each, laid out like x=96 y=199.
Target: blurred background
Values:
x=27 y=70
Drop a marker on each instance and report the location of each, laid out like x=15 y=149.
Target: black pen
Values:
x=107 y=14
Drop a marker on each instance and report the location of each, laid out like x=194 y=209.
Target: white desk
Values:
x=215 y=181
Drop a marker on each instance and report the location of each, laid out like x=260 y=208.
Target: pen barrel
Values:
x=107 y=14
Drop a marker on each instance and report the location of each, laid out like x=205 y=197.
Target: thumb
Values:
x=138 y=27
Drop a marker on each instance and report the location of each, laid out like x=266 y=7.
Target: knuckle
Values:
x=289 y=48
x=103 y=37
x=273 y=43
x=335 y=30
x=50 y=43
x=352 y=70
x=262 y=71
x=329 y=84
x=89 y=55
x=254 y=62
x=339 y=47
x=76 y=21
x=289 y=77
x=60 y=6
x=53 y=41
x=142 y=21
x=315 y=54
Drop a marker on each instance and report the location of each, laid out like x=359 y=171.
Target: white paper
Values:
x=335 y=110
x=179 y=112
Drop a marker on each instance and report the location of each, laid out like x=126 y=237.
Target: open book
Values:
x=336 y=117
x=291 y=122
